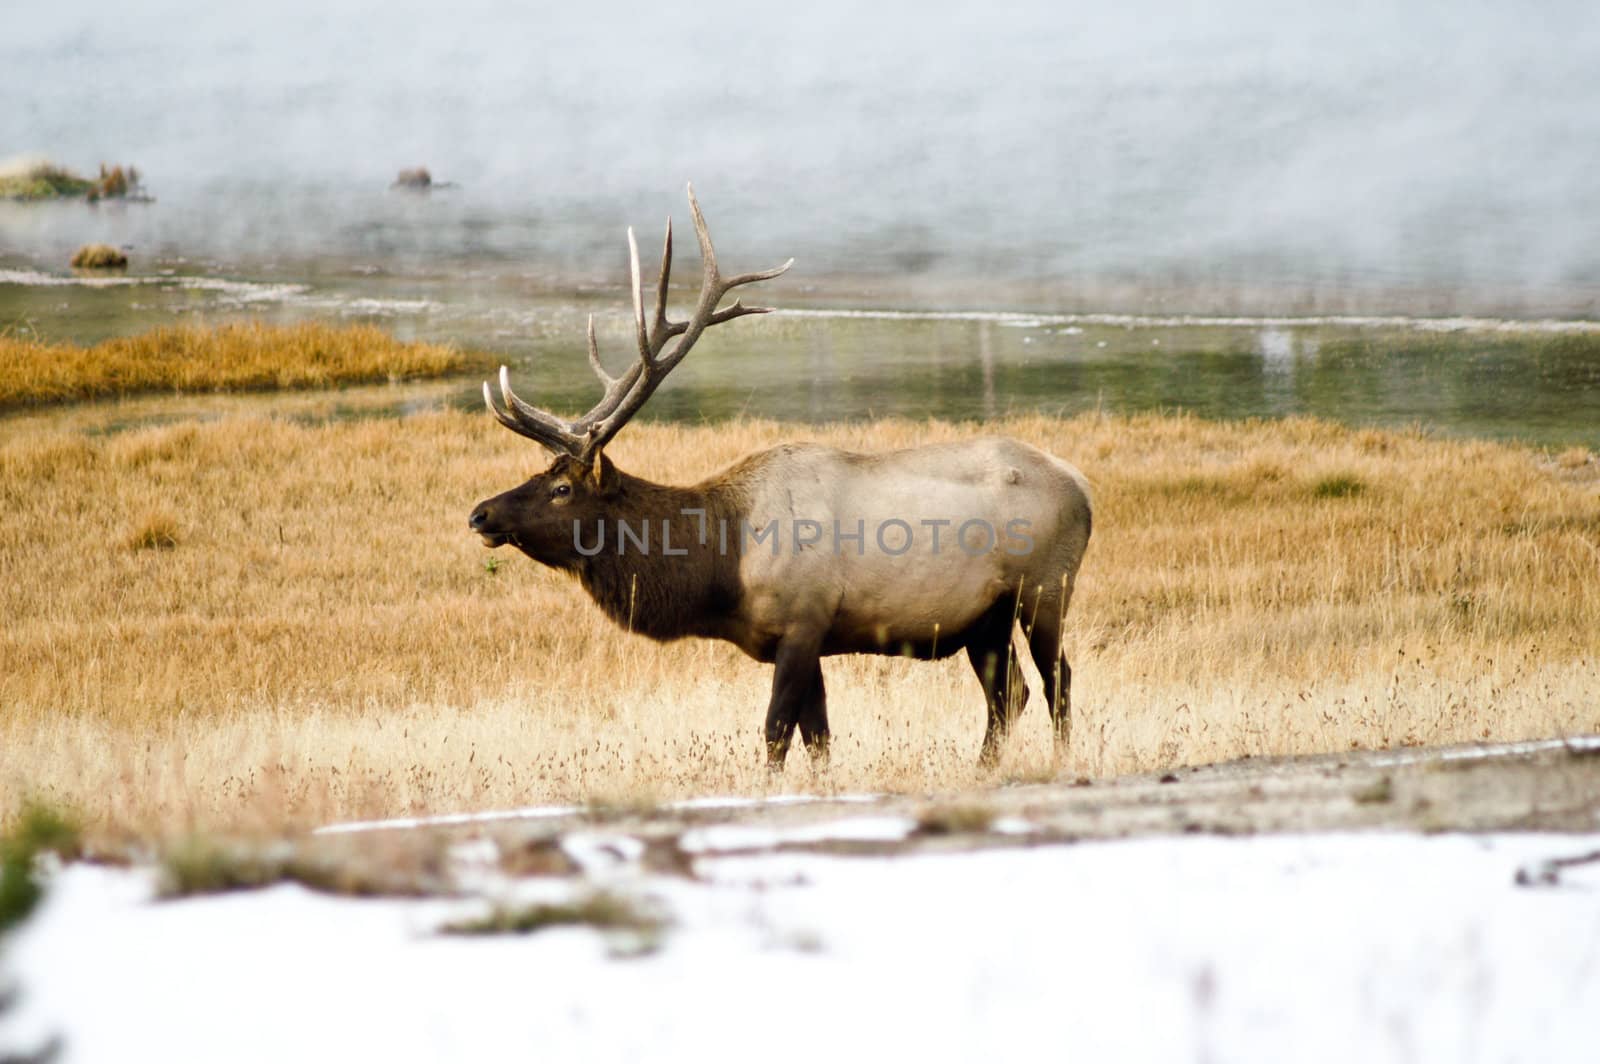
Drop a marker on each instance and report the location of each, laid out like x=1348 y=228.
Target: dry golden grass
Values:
x=248 y=622
x=236 y=357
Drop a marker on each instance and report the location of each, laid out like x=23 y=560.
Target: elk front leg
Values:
x=989 y=650
x=798 y=698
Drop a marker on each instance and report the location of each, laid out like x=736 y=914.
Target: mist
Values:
x=1379 y=146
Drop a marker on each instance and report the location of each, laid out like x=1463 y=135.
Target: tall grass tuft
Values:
x=37 y=830
x=601 y=910
x=1338 y=486
x=154 y=531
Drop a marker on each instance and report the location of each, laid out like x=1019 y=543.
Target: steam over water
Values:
x=1236 y=208
x=1108 y=156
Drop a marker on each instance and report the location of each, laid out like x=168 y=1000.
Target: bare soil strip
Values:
x=1551 y=786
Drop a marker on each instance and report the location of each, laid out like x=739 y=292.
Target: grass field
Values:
x=246 y=356
x=252 y=622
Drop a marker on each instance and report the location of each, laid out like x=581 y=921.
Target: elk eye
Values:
x=562 y=491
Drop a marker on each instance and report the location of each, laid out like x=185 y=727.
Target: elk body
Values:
x=804 y=551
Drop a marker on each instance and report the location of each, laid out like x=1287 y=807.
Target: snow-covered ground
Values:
x=1371 y=947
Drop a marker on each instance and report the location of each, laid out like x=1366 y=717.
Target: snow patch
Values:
x=532 y=812
x=1376 y=947
x=717 y=802
x=724 y=837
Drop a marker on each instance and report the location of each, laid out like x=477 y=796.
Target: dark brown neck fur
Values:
x=662 y=595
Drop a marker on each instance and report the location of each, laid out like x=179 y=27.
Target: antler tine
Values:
x=499 y=415
x=710 y=278
x=662 y=329
x=530 y=415
x=606 y=379
x=759 y=275
x=541 y=428
x=713 y=286
x=713 y=281
x=642 y=332
x=547 y=428
x=642 y=379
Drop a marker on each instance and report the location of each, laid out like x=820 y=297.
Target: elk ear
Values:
x=600 y=473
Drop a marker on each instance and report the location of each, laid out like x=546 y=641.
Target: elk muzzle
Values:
x=484 y=524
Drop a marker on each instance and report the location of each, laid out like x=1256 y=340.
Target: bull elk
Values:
x=803 y=551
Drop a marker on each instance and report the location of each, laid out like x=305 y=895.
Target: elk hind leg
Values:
x=1042 y=626
x=814 y=723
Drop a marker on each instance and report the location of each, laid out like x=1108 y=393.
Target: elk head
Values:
x=581 y=482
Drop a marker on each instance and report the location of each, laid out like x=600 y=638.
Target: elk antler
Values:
x=625 y=395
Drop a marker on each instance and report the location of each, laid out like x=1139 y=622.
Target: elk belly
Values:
x=917 y=599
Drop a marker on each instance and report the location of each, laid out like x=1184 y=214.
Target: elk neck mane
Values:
x=666 y=596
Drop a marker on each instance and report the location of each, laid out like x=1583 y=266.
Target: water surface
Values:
x=1533 y=381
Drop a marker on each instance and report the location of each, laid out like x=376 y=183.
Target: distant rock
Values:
x=415 y=179
x=418 y=179
x=99 y=257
